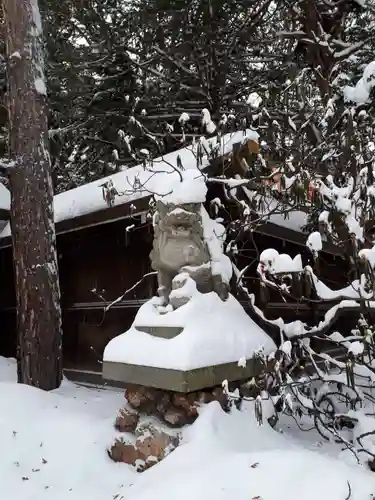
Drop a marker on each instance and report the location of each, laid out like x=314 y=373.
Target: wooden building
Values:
x=103 y=251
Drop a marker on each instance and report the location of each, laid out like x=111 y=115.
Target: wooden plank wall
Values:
x=106 y=258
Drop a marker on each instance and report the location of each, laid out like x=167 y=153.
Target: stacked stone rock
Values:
x=150 y=443
x=176 y=409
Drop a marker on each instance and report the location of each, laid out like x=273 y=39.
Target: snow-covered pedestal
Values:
x=195 y=334
x=196 y=346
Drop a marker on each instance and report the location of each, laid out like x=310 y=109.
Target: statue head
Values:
x=179 y=221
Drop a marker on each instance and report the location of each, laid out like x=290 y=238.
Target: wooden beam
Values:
x=292 y=236
x=105 y=216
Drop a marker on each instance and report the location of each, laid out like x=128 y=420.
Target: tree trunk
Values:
x=32 y=221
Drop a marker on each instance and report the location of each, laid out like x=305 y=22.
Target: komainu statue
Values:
x=181 y=245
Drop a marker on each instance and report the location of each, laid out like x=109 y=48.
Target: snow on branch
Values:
x=360 y=94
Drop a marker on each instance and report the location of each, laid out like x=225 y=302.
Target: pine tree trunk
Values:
x=32 y=221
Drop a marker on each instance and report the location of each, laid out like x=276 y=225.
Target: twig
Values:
x=349 y=492
x=119 y=299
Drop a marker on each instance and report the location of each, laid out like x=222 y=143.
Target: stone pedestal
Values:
x=197 y=346
x=182 y=381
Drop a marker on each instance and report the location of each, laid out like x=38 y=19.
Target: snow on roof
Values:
x=138 y=182
x=189 y=187
x=214 y=333
x=270 y=210
x=294 y=220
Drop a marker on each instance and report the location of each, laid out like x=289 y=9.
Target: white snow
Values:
x=360 y=94
x=314 y=242
x=214 y=332
x=214 y=236
x=138 y=182
x=341 y=199
x=36 y=16
x=286 y=347
x=270 y=210
x=207 y=122
x=368 y=254
x=275 y=263
x=343 y=205
x=188 y=187
x=4 y=197
x=352 y=291
x=268 y=256
x=184 y=118
x=297 y=328
x=225 y=457
x=186 y=286
x=242 y=363
x=53 y=446
x=254 y=100
x=356 y=348
x=350 y=296
x=40 y=86
x=295 y=220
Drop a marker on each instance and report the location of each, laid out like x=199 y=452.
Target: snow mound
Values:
x=230 y=457
x=214 y=333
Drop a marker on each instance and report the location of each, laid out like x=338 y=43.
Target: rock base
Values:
x=150 y=443
x=173 y=408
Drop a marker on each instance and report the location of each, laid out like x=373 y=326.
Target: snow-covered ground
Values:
x=53 y=446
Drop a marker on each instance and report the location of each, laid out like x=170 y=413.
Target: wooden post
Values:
x=32 y=220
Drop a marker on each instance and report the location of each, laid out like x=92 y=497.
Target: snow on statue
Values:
x=187 y=241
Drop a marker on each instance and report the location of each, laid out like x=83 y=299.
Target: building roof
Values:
x=134 y=184
x=86 y=206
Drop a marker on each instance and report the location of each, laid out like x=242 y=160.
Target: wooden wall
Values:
x=106 y=258
x=98 y=265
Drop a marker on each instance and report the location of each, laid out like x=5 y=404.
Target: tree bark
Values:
x=32 y=218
